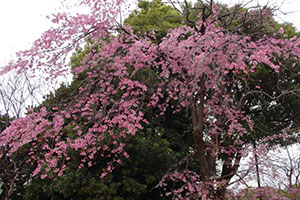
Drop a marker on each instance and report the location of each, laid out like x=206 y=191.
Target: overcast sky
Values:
x=22 y=21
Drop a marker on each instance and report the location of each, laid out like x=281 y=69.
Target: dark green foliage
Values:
x=4 y=122
x=274 y=111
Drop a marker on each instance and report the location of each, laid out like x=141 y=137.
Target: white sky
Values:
x=22 y=21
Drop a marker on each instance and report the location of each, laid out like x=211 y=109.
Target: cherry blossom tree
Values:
x=211 y=69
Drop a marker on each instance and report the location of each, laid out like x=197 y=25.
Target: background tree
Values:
x=17 y=92
x=154 y=16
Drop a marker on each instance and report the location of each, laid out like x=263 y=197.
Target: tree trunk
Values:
x=197 y=121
